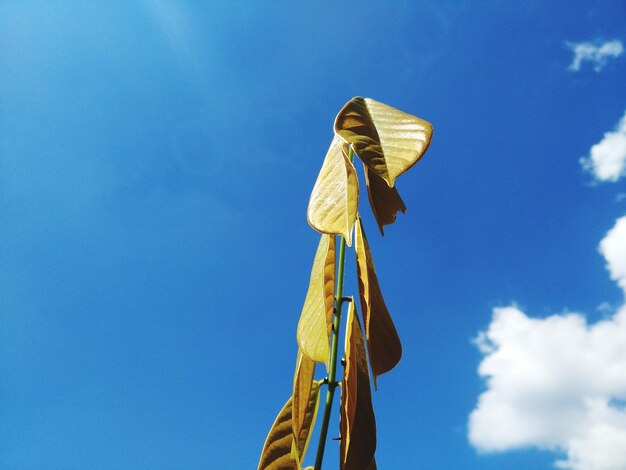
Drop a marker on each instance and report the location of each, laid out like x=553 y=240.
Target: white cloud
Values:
x=607 y=158
x=613 y=247
x=597 y=54
x=557 y=383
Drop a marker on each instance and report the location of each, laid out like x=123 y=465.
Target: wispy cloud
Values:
x=178 y=28
x=557 y=383
x=607 y=158
x=595 y=53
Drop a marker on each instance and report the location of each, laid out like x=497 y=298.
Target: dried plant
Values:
x=388 y=142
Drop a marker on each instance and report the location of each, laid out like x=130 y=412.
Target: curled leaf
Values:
x=315 y=322
x=303 y=386
x=281 y=450
x=334 y=199
x=383 y=343
x=357 y=422
x=387 y=140
x=385 y=201
x=301 y=442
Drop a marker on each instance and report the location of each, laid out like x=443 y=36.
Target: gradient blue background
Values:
x=156 y=160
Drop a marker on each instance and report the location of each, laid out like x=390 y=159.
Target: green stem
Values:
x=334 y=346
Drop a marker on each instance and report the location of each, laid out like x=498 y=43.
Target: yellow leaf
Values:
x=276 y=453
x=277 y=450
x=385 y=201
x=302 y=441
x=315 y=322
x=302 y=388
x=387 y=140
x=357 y=422
x=335 y=196
x=383 y=343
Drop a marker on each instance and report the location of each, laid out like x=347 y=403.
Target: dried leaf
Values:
x=281 y=451
x=357 y=422
x=383 y=343
x=302 y=441
x=387 y=140
x=385 y=201
x=302 y=388
x=276 y=453
x=315 y=322
x=334 y=199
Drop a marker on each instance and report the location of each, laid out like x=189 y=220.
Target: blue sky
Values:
x=156 y=160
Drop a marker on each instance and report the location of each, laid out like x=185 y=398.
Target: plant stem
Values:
x=334 y=346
